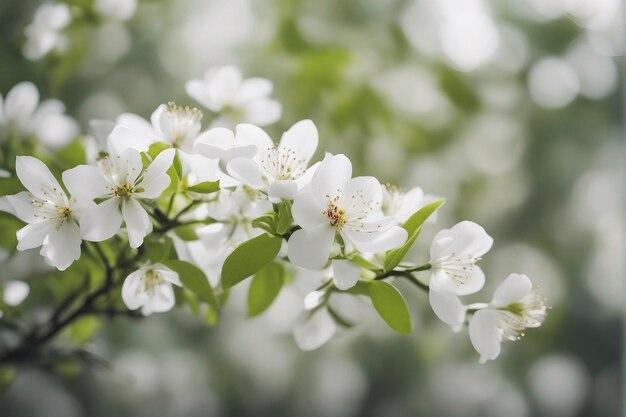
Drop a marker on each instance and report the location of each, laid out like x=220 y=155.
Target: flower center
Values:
x=124 y=191
x=65 y=213
x=152 y=280
x=336 y=216
x=283 y=163
x=527 y=313
x=457 y=267
x=182 y=119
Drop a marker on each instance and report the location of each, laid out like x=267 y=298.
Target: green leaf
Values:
x=390 y=305
x=249 y=257
x=284 y=219
x=413 y=226
x=205 y=187
x=264 y=288
x=156 y=148
x=194 y=280
x=186 y=232
x=178 y=165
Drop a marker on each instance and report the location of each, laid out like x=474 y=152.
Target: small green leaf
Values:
x=186 y=232
x=284 y=218
x=156 y=148
x=249 y=257
x=390 y=305
x=205 y=187
x=178 y=165
x=194 y=280
x=264 y=288
x=413 y=227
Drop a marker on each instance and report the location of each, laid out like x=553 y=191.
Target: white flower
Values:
x=119 y=180
x=115 y=9
x=515 y=307
x=15 y=292
x=223 y=90
x=336 y=203
x=23 y=115
x=312 y=330
x=50 y=216
x=221 y=143
x=282 y=169
x=170 y=124
x=150 y=287
x=96 y=141
x=44 y=33
x=402 y=205
x=453 y=256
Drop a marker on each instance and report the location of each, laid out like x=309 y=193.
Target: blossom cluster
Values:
x=235 y=203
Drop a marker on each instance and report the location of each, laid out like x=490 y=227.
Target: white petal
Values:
x=283 y=189
x=248 y=134
x=168 y=274
x=362 y=190
x=468 y=282
x=63 y=246
x=34 y=234
x=123 y=138
x=213 y=142
x=101 y=129
x=15 y=292
x=85 y=182
x=345 y=274
x=377 y=242
x=197 y=89
x=38 y=179
x=252 y=89
x=157 y=118
x=485 y=334
x=138 y=223
x=331 y=176
x=307 y=211
x=137 y=124
x=447 y=307
x=512 y=290
x=313 y=300
x=311 y=248
x=302 y=137
x=262 y=112
x=132 y=290
x=474 y=282
x=162 y=300
x=155 y=179
x=22 y=208
x=102 y=221
x=468 y=239
x=7 y=207
x=247 y=171
x=21 y=101
x=312 y=332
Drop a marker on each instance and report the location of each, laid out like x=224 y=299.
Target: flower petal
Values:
x=512 y=290
x=168 y=274
x=155 y=179
x=247 y=134
x=308 y=211
x=377 y=242
x=302 y=138
x=34 y=235
x=138 y=224
x=247 y=171
x=252 y=89
x=21 y=101
x=262 y=112
x=102 y=221
x=283 y=189
x=122 y=138
x=485 y=334
x=38 y=179
x=132 y=290
x=345 y=274
x=15 y=292
x=311 y=248
x=312 y=332
x=213 y=142
x=447 y=307
x=63 y=246
x=22 y=207
x=85 y=182
x=331 y=176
